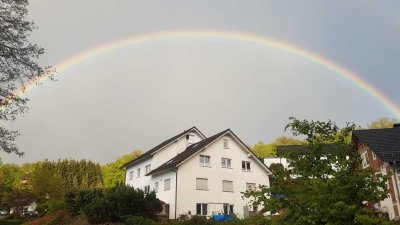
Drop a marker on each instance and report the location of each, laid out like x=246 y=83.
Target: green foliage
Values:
x=263 y=150
x=113 y=174
x=383 y=122
x=74 y=175
x=17 y=199
x=113 y=205
x=137 y=220
x=10 y=176
x=19 y=66
x=312 y=191
x=47 y=183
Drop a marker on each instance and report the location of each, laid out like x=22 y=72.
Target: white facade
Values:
x=274 y=160
x=210 y=179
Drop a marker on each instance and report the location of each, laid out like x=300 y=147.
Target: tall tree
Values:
x=324 y=185
x=113 y=173
x=19 y=66
x=383 y=122
x=263 y=150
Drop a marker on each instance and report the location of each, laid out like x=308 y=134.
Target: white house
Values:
x=193 y=174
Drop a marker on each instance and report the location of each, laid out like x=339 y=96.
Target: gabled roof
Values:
x=193 y=149
x=385 y=143
x=149 y=153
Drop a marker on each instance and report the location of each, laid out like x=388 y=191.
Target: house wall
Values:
x=188 y=196
x=274 y=160
x=391 y=204
x=142 y=180
x=160 y=157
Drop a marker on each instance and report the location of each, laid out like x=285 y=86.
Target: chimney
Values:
x=396 y=125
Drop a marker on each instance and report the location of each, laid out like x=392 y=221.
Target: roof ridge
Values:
x=161 y=145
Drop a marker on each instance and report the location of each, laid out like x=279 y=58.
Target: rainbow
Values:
x=229 y=35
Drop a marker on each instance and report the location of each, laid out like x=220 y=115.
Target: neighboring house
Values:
x=380 y=150
x=282 y=153
x=193 y=174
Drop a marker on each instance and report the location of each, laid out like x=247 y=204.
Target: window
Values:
x=201 y=209
x=250 y=186
x=204 y=160
x=156 y=187
x=364 y=159
x=138 y=172
x=246 y=166
x=190 y=138
x=131 y=175
x=202 y=184
x=227 y=186
x=226 y=163
x=148 y=168
x=146 y=189
x=226 y=143
x=373 y=155
x=167 y=184
x=165 y=209
x=228 y=209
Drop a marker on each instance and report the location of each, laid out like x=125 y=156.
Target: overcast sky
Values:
x=137 y=96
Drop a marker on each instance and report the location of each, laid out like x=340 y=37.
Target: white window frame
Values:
x=202 y=211
x=138 y=172
x=225 y=164
x=202 y=160
x=251 y=186
x=364 y=159
x=167 y=188
x=373 y=156
x=131 y=175
x=246 y=168
x=156 y=186
x=148 y=169
x=146 y=189
x=226 y=144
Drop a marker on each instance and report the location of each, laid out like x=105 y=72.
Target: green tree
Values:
x=263 y=150
x=383 y=122
x=113 y=174
x=47 y=184
x=323 y=187
x=19 y=66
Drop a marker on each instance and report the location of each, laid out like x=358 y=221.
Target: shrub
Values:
x=113 y=205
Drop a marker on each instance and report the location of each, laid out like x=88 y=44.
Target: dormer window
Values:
x=226 y=143
x=191 y=138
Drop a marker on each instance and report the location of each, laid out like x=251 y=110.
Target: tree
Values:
x=18 y=66
x=263 y=150
x=47 y=184
x=325 y=185
x=383 y=122
x=112 y=172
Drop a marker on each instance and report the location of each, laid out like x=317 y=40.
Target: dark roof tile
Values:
x=385 y=143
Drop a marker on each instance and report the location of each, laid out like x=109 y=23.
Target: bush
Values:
x=138 y=220
x=113 y=205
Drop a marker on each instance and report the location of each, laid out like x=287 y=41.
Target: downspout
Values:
x=176 y=189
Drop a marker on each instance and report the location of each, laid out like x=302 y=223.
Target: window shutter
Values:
x=227 y=186
x=201 y=184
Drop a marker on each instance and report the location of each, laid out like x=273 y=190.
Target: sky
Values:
x=138 y=95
